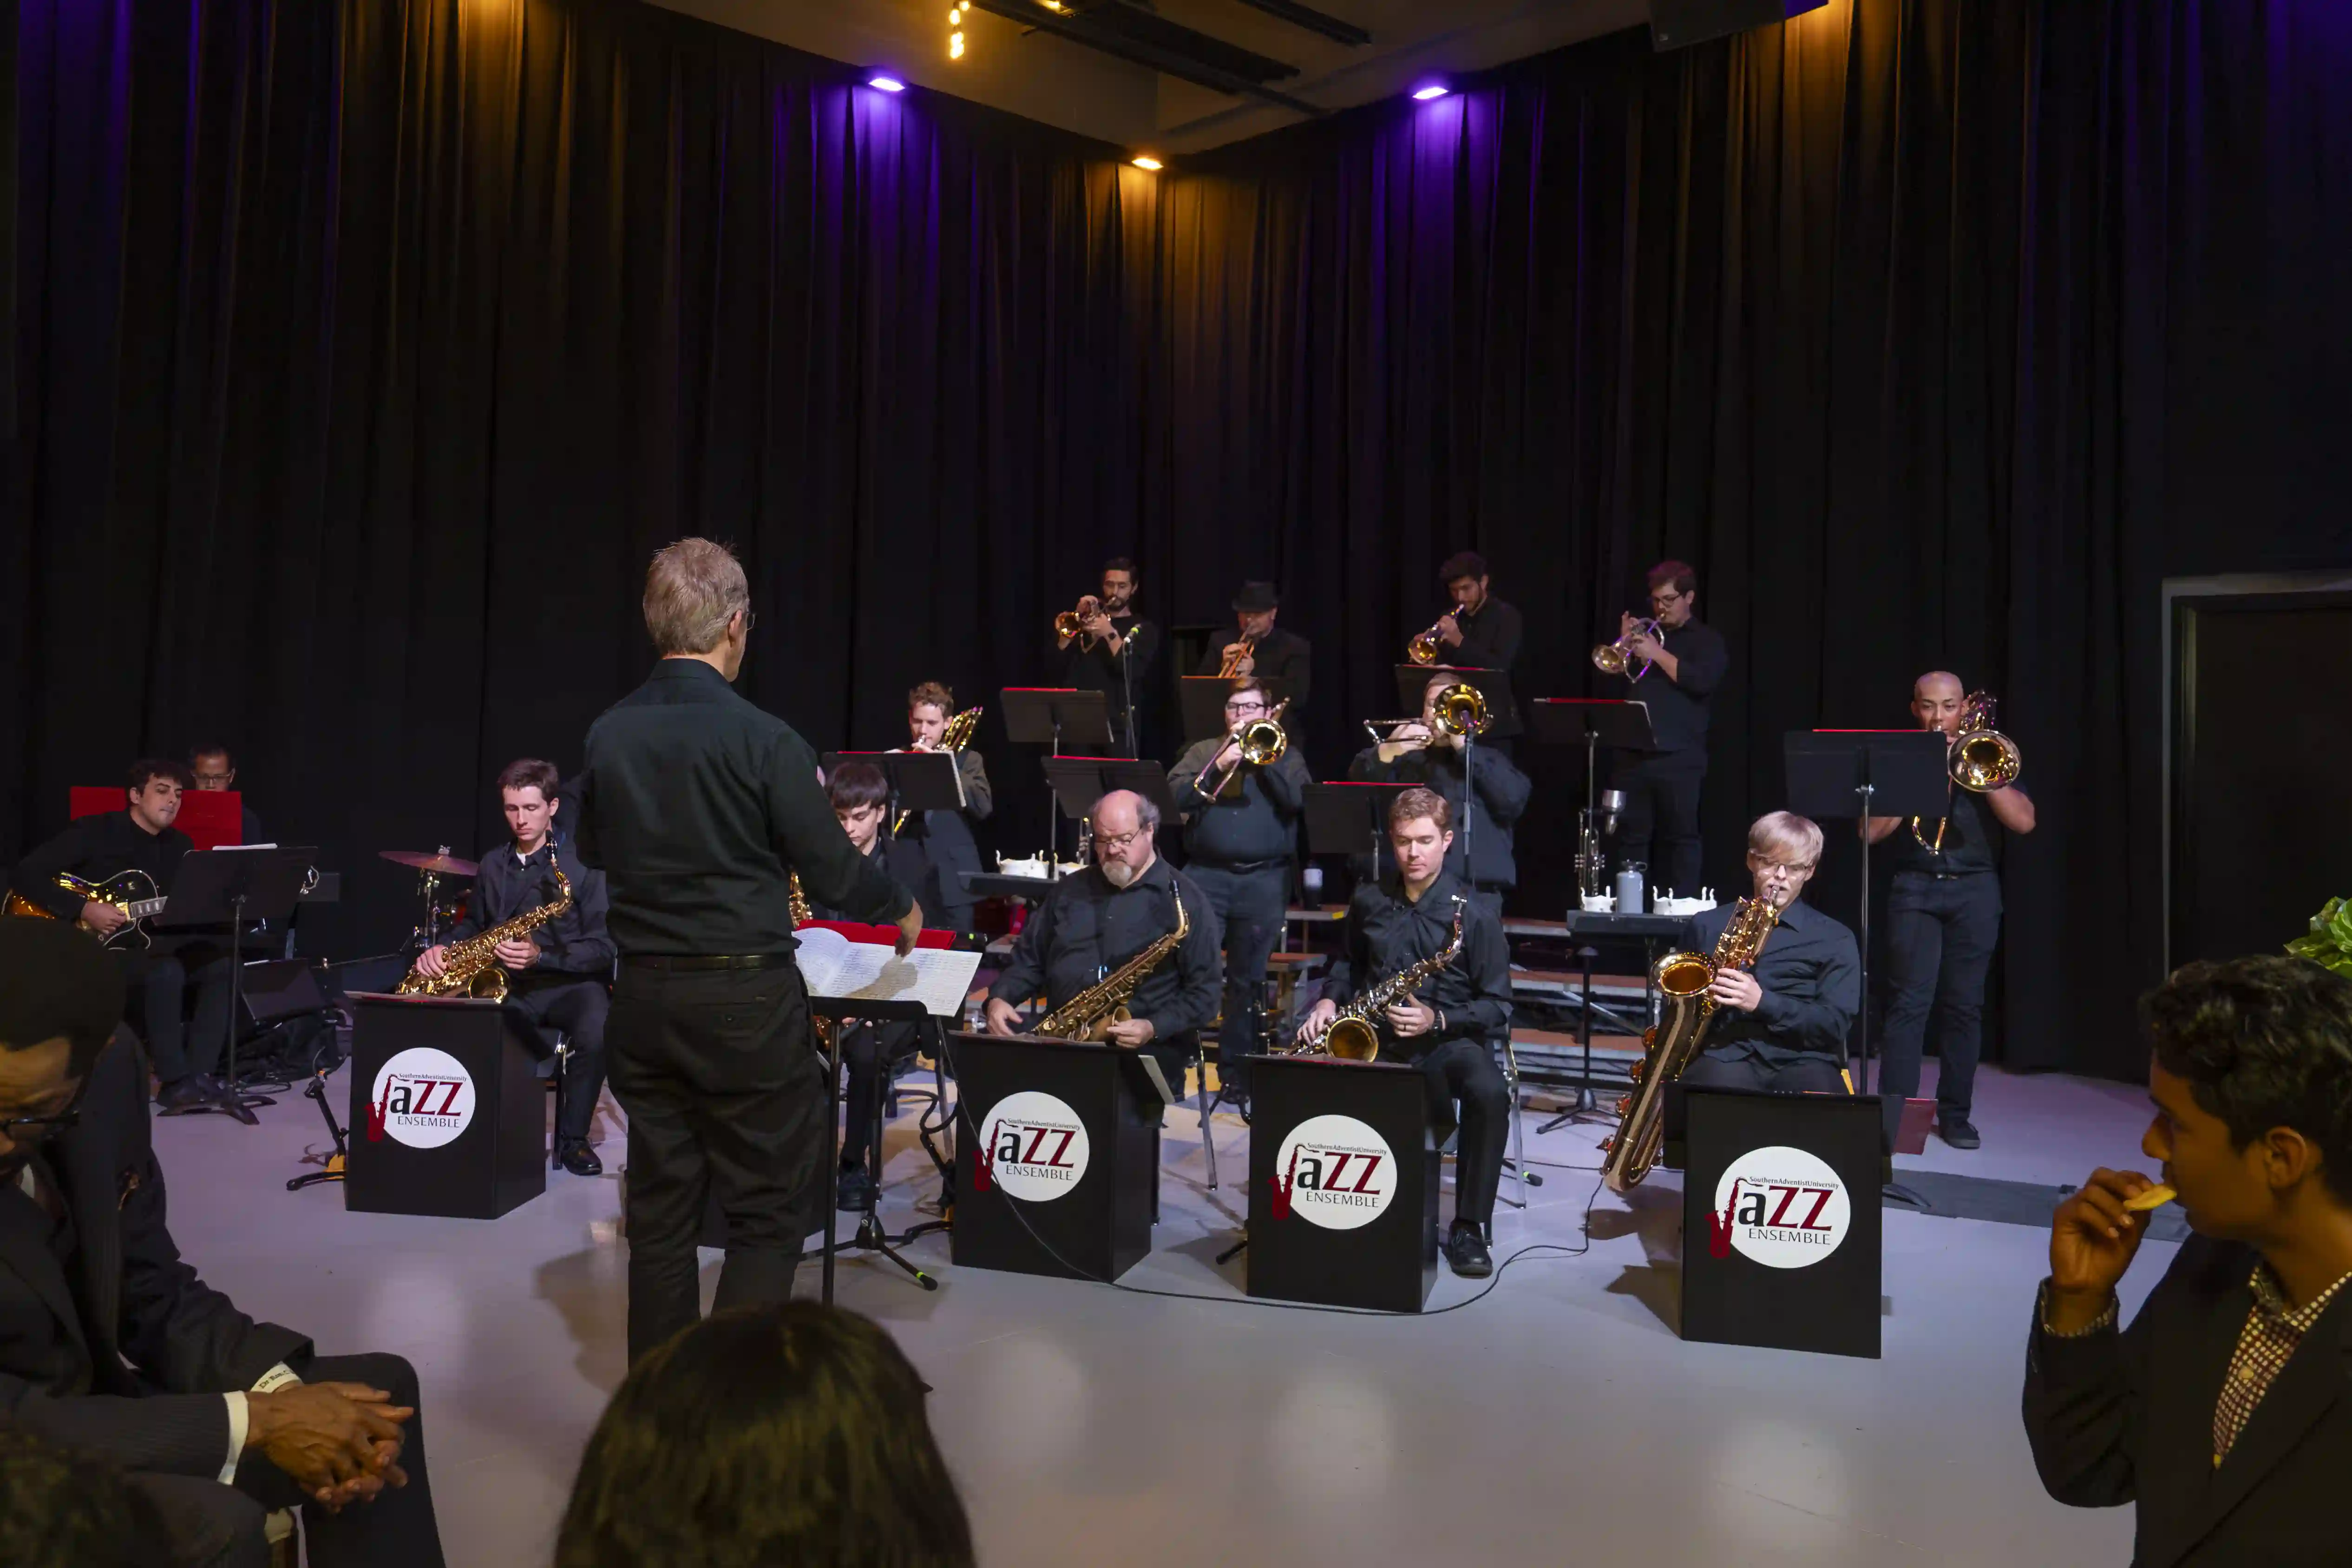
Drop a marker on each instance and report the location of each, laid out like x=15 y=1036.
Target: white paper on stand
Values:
x=839 y=969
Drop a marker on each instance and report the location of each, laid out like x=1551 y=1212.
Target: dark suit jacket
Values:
x=68 y=1326
x=2129 y=1418
x=1280 y=656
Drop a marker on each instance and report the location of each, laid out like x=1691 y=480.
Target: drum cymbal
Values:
x=442 y=864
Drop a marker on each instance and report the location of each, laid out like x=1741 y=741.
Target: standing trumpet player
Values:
x=1942 y=916
x=1105 y=647
x=1451 y=1026
x=1257 y=647
x=1480 y=632
x=1241 y=828
x=1674 y=672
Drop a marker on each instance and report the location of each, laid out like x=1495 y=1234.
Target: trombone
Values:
x=1461 y=710
x=1616 y=657
x=1262 y=742
x=1425 y=649
x=1983 y=759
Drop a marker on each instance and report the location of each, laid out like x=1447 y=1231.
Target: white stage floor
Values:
x=1558 y=1420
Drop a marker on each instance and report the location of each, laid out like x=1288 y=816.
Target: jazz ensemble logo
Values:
x=422 y=1098
x=1335 y=1172
x=1779 y=1206
x=1034 y=1146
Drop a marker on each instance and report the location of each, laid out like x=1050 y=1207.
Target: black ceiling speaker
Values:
x=1677 y=24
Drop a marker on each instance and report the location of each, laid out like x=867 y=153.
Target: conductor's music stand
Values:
x=919 y=781
x=870 y=1236
x=1202 y=698
x=236 y=886
x=1851 y=773
x=1051 y=716
x=1078 y=782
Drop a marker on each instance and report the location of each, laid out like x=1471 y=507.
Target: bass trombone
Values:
x=1617 y=657
x=1262 y=742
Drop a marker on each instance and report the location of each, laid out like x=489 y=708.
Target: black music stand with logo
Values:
x=1201 y=699
x=1058 y=1164
x=236 y=886
x=447 y=1113
x=1782 y=1223
x=1343 y=1184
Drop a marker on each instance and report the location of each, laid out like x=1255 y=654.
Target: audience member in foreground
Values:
x=110 y=1343
x=2224 y=1412
x=774 y=1434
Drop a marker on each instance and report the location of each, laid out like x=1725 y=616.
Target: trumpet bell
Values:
x=1423 y=649
x=1068 y=624
x=1352 y=1040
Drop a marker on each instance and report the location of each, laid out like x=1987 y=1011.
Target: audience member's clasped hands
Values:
x=339 y=1441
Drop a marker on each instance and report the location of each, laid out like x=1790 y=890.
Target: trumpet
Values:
x=1231 y=668
x=1616 y=657
x=1425 y=649
x=1461 y=710
x=1073 y=623
x=1262 y=742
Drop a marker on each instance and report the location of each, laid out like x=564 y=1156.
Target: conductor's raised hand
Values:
x=2092 y=1240
x=911 y=926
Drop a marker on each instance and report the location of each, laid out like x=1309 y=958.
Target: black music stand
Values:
x=919 y=781
x=870 y=1236
x=1201 y=700
x=236 y=886
x=1348 y=818
x=1078 y=782
x=1850 y=774
x=1503 y=721
x=1048 y=716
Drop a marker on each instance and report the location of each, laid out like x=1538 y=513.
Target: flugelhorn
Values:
x=1262 y=742
x=1073 y=623
x=1425 y=649
x=1617 y=657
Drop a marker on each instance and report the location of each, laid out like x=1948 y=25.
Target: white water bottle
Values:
x=1628 y=888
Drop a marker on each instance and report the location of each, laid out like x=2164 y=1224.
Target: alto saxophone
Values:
x=1354 y=1034
x=1089 y=1014
x=1682 y=978
x=470 y=967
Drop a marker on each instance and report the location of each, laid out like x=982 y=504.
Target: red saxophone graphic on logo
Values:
x=375 y=1118
x=1718 y=1225
x=984 y=1170
x=1281 y=1208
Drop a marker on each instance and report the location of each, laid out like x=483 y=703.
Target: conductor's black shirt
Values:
x=1086 y=929
x=1810 y=975
x=697 y=807
x=1387 y=932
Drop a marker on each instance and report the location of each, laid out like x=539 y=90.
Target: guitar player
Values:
x=141 y=837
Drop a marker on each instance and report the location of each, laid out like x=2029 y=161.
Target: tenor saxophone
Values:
x=470 y=967
x=1682 y=978
x=1089 y=1014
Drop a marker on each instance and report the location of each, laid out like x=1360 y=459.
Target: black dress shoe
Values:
x=578 y=1159
x=1465 y=1251
x=1959 y=1133
x=852 y=1190
x=190 y=1093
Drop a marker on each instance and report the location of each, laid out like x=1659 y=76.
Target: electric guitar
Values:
x=132 y=892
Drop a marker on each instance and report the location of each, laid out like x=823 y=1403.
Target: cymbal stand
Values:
x=336 y=1161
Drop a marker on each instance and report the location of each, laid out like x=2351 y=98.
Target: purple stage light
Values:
x=1435 y=90
x=887 y=83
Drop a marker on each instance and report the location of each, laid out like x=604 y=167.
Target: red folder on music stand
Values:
x=210 y=817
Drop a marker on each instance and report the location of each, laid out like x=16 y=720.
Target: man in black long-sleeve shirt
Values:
x=1486 y=790
x=1659 y=823
x=1450 y=1026
x=1240 y=842
x=141 y=837
x=1482 y=632
x=698 y=807
x=1093 y=922
x=1782 y=1025
x=557 y=973
x=1259 y=647
x=1117 y=653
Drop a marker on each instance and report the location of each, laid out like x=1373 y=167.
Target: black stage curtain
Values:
x=365 y=351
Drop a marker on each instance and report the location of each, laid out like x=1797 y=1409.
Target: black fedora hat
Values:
x=1255 y=598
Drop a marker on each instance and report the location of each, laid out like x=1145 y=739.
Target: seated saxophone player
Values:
x=945 y=836
x=1094 y=922
x=1451 y=1024
x=860 y=797
x=559 y=974
x=1782 y=1025
x=1240 y=838
x=1485 y=788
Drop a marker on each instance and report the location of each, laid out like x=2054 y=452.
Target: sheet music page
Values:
x=940 y=978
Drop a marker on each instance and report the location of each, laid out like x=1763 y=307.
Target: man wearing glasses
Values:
x=1094 y=922
x=110 y=1343
x=1240 y=830
x=1659 y=823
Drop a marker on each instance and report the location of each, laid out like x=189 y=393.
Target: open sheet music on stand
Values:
x=843 y=963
